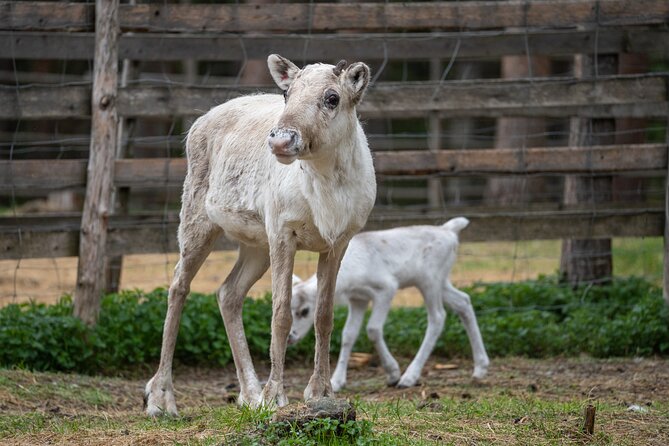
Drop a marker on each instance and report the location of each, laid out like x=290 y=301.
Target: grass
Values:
x=46 y=279
x=524 y=402
x=513 y=261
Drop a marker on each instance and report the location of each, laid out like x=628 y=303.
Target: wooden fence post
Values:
x=589 y=261
x=435 y=188
x=100 y=173
x=666 y=221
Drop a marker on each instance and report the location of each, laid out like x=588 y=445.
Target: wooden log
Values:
x=58 y=236
x=121 y=196
x=167 y=17
x=21 y=175
x=607 y=97
x=100 y=172
x=325 y=47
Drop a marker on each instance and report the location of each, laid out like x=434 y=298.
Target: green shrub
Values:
x=535 y=318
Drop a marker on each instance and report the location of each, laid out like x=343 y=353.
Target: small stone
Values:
x=302 y=413
x=637 y=408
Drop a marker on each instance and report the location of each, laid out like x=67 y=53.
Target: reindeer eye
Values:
x=332 y=100
x=285 y=95
x=304 y=312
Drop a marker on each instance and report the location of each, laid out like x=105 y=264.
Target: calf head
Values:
x=302 y=307
x=319 y=110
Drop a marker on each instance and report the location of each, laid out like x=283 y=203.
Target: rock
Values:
x=301 y=413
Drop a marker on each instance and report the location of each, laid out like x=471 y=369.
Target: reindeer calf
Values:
x=277 y=174
x=374 y=267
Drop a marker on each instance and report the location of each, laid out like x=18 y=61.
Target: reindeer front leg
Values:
x=328 y=267
x=282 y=258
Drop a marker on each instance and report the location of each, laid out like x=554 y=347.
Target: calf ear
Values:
x=282 y=70
x=357 y=79
x=296 y=279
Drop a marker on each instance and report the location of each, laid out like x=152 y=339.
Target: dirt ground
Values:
x=617 y=382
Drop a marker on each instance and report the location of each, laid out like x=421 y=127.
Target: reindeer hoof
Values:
x=318 y=388
x=405 y=382
x=273 y=395
x=479 y=373
x=159 y=399
x=337 y=385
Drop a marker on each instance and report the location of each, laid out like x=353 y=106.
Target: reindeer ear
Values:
x=357 y=78
x=282 y=70
x=296 y=279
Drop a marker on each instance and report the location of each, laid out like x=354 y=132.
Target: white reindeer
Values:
x=375 y=266
x=276 y=174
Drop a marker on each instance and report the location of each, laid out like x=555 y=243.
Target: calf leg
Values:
x=460 y=303
x=328 y=266
x=195 y=246
x=435 y=324
x=356 y=313
x=250 y=266
x=282 y=257
x=375 y=333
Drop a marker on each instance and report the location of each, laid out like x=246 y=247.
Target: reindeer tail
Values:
x=456 y=224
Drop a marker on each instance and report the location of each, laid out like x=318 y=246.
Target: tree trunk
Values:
x=589 y=261
x=104 y=138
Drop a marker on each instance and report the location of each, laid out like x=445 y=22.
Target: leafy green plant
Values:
x=536 y=318
x=322 y=431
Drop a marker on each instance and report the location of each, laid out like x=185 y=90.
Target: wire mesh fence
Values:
x=450 y=82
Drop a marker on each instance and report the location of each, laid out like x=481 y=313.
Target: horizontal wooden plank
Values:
x=35 y=237
x=616 y=96
x=539 y=225
x=562 y=160
x=168 y=17
x=332 y=47
x=161 y=172
x=630 y=96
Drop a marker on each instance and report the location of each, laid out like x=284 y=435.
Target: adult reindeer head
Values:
x=320 y=106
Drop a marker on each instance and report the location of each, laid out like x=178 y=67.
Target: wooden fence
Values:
x=359 y=31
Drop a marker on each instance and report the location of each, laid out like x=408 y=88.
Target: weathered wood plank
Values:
x=49 y=236
x=539 y=225
x=331 y=47
x=617 y=96
x=162 y=172
x=100 y=172
x=35 y=237
x=166 y=17
x=604 y=97
x=41 y=174
x=564 y=160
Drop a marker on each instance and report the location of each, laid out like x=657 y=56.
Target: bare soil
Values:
x=618 y=382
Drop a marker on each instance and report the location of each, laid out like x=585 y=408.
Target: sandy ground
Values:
x=45 y=280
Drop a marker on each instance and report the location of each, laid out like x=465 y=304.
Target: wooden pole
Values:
x=589 y=420
x=666 y=223
x=100 y=172
x=519 y=133
x=589 y=261
x=435 y=190
x=121 y=196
